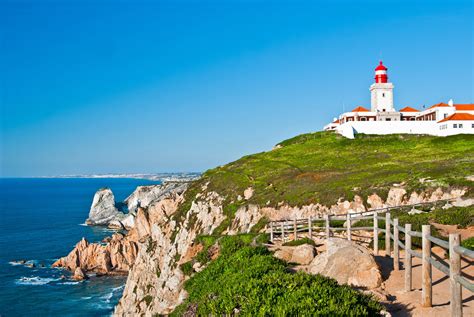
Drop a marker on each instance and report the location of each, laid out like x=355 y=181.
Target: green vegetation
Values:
x=187 y=268
x=468 y=243
x=151 y=246
x=321 y=167
x=461 y=216
x=294 y=243
x=148 y=299
x=250 y=281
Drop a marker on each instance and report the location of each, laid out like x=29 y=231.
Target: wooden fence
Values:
x=321 y=226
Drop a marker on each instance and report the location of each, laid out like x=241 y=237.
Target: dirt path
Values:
x=401 y=303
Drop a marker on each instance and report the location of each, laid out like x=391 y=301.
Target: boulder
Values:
x=302 y=254
x=103 y=209
x=348 y=263
x=79 y=275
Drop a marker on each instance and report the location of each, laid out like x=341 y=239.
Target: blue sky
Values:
x=108 y=87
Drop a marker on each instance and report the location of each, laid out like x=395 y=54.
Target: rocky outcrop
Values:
x=103 y=209
x=144 y=196
x=115 y=257
x=348 y=263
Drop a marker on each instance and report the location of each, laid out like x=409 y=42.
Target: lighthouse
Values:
x=381 y=91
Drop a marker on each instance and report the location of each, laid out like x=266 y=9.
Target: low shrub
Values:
x=468 y=243
x=252 y=282
x=187 y=268
x=298 y=242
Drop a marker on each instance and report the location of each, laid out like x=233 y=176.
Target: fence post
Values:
x=310 y=228
x=426 y=291
x=348 y=227
x=327 y=226
x=271 y=231
x=376 y=234
x=387 y=234
x=408 y=261
x=396 y=252
x=454 y=272
x=282 y=232
x=295 y=230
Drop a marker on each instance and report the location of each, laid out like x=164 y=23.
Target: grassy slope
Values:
x=321 y=167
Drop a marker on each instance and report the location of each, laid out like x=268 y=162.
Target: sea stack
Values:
x=103 y=209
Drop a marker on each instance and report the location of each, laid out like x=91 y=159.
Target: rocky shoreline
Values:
x=159 y=238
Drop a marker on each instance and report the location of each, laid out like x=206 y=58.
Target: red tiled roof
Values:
x=409 y=109
x=458 y=117
x=360 y=109
x=468 y=107
x=441 y=104
x=336 y=121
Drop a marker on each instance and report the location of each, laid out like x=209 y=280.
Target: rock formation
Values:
x=79 y=274
x=103 y=209
x=348 y=263
x=115 y=257
x=143 y=196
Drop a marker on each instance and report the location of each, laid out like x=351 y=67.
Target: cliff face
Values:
x=155 y=282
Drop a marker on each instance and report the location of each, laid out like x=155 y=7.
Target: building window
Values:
x=383 y=95
x=460 y=126
x=445 y=115
x=472 y=126
x=388 y=119
x=455 y=125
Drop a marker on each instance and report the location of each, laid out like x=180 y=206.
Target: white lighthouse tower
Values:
x=381 y=91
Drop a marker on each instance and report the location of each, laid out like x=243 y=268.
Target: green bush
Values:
x=187 y=268
x=263 y=238
x=294 y=243
x=254 y=283
x=461 y=216
x=468 y=243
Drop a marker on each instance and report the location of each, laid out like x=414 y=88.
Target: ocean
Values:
x=40 y=221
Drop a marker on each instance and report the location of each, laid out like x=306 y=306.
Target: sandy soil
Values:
x=401 y=303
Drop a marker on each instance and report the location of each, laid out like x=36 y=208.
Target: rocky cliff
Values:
x=309 y=175
x=155 y=282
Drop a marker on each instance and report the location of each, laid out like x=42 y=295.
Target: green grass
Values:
x=298 y=242
x=468 y=243
x=254 y=283
x=322 y=167
x=461 y=216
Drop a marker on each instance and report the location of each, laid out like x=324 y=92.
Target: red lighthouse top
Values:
x=381 y=73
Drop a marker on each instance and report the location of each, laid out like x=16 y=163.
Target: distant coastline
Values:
x=165 y=177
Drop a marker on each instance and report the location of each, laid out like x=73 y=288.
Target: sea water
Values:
x=40 y=221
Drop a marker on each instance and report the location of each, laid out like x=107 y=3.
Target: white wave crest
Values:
x=35 y=280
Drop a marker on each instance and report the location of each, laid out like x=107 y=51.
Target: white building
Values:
x=442 y=119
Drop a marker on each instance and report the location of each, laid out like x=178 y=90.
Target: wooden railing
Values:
x=321 y=226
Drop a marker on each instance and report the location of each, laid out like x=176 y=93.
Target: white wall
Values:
x=447 y=128
x=348 y=129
